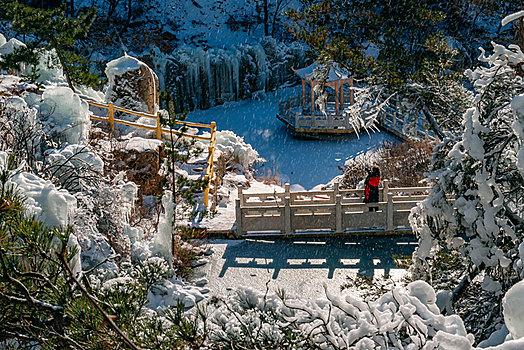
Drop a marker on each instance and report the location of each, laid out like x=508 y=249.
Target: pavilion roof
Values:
x=335 y=72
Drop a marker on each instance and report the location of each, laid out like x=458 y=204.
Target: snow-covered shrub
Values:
x=403 y=318
x=404 y=165
x=48 y=69
x=235 y=146
x=65 y=115
x=74 y=167
x=20 y=130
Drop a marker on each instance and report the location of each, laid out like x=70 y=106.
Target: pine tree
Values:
x=50 y=29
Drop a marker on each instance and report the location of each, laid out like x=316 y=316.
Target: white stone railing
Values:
x=335 y=210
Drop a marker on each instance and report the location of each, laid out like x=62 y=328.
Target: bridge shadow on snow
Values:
x=363 y=253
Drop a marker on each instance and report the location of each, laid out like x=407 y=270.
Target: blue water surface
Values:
x=307 y=162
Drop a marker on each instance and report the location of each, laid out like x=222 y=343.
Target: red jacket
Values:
x=371 y=189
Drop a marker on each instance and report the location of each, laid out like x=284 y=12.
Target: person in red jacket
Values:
x=371 y=187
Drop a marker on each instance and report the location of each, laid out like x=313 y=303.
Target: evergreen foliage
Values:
x=50 y=29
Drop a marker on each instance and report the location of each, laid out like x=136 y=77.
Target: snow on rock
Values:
x=3 y=40
x=43 y=200
x=513 y=306
x=65 y=114
x=139 y=144
x=132 y=84
x=10 y=46
x=122 y=65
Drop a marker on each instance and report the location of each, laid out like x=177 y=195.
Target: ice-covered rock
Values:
x=65 y=114
x=10 y=46
x=49 y=69
x=513 y=309
x=162 y=241
x=43 y=200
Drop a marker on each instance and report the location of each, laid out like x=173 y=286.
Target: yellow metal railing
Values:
x=160 y=132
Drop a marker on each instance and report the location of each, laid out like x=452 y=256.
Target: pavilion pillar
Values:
x=303 y=93
x=336 y=96
x=342 y=93
x=312 y=97
x=351 y=98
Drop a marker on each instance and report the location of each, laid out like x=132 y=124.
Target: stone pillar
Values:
x=389 y=213
x=238 y=210
x=385 y=190
x=287 y=216
x=338 y=213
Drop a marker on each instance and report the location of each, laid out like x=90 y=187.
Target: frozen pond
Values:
x=302 y=265
x=307 y=162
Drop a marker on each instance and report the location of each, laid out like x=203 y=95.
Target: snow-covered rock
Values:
x=10 y=46
x=139 y=144
x=132 y=84
x=43 y=200
x=3 y=40
x=162 y=241
x=65 y=114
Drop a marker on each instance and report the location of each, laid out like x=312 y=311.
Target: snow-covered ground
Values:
x=302 y=265
x=307 y=162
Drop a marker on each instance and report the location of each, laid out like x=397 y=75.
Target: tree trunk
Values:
x=266 y=17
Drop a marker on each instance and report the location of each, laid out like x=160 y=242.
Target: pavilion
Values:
x=302 y=115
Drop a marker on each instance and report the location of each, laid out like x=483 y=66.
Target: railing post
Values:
x=338 y=213
x=287 y=190
x=240 y=195
x=206 y=193
x=336 y=186
x=389 y=213
x=210 y=162
x=111 y=116
x=238 y=211
x=287 y=216
x=385 y=190
x=158 y=127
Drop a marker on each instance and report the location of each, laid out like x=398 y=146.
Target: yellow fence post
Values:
x=210 y=162
x=111 y=116
x=158 y=127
